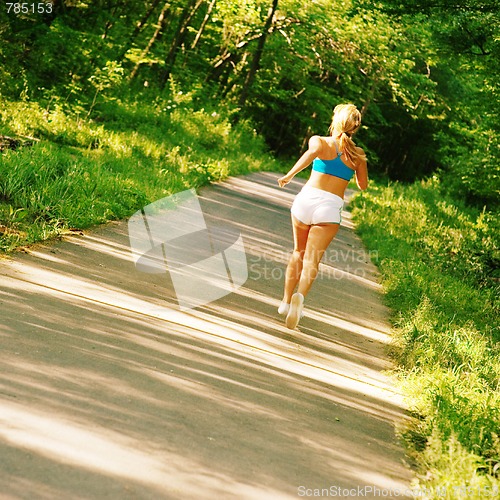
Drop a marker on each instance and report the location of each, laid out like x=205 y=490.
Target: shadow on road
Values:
x=108 y=390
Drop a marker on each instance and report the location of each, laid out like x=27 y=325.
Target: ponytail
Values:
x=349 y=150
x=346 y=120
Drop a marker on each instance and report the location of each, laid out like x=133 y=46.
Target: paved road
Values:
x=109 y=391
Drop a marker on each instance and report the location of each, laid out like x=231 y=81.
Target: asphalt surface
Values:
x=108 y=390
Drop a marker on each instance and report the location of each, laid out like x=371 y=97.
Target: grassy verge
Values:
x=84 y=172
x=440 y=264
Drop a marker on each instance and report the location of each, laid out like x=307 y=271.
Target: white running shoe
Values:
x=295 y=312
x=283 y=308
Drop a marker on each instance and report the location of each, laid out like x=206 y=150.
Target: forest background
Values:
x=107 y=105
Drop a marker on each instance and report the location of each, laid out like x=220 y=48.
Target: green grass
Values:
x=86 y=172
x=440 y=262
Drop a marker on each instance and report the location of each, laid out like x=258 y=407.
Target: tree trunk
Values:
x=186 y=16
x=159 y=27
x=109 y=23
x=257 y=56
x=203 y=24
x=138 y=28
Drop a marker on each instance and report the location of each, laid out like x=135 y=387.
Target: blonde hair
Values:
x=346 y=121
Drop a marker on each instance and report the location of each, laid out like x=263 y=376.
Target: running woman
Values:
x=316 y=210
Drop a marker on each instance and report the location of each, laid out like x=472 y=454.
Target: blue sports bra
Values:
x=335 y=167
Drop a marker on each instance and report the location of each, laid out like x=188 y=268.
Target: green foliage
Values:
x=466 y=69
x=453 y=472
x=425 y=74
x=107 y=77
x=86 y=172
x=441 y=272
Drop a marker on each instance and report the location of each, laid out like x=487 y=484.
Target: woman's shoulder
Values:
x=322 y=141
x=317 y=139
x=316 y=143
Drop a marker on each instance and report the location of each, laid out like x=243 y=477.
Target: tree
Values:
x=139 y=27
x=203 y=24
x=160 y=24
x=184 y=19
x=254 y=66
x=467 y=37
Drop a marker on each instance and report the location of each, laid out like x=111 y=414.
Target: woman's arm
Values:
x=314 y=149
x=362 y=173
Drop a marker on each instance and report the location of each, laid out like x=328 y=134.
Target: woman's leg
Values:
x=318 y=239
x=294 y=268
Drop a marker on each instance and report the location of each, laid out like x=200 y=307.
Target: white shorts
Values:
x=316 y=206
